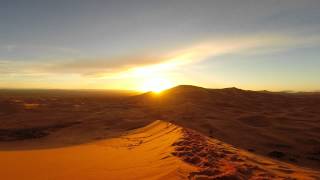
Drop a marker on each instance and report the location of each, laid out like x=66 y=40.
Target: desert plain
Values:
x=186 y=132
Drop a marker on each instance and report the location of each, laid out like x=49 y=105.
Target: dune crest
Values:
x=160 y=150
x=220 y=161
x=144 y=153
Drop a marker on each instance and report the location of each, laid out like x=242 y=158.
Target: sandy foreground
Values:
x=160 y=150
x=142 y=154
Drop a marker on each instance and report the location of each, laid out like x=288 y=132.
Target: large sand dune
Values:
x=141 y=154
x=160 y=150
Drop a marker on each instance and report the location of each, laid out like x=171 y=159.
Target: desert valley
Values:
x=185 y=132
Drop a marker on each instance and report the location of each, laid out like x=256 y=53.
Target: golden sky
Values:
x=148 y=45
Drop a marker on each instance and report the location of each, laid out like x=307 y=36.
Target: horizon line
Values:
x=132 y=90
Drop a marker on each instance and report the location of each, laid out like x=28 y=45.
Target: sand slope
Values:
x=220 y=161
x=284 y=126
x=160 y=150
x=141 y=154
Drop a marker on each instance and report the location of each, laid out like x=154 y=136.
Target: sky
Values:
x=132 y=44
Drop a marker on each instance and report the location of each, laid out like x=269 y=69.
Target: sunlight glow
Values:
x=155 y=85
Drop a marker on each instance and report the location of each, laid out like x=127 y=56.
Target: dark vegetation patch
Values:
x=276 y=154
x=278 y=145
x=22 y=134
x=293 y=160
x=31 y=133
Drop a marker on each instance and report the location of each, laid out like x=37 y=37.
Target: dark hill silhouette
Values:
x=260 y=121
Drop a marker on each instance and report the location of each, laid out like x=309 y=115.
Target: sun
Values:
x=155 y=85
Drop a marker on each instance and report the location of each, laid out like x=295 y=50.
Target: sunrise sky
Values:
x=131 y=44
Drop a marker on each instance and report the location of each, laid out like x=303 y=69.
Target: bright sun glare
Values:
x=156 y=85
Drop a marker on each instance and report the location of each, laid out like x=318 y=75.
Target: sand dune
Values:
x=160 y=150
x=284 y=126
x=141 y=154
x=218 y=160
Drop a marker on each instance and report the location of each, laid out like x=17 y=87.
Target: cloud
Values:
x=213 y=48
x=141 y=64
x=95 y=66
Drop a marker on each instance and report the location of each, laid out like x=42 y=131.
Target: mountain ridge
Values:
x=268 y=122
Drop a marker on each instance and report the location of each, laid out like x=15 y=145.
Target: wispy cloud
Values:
x=213 y=48
x=152 y=62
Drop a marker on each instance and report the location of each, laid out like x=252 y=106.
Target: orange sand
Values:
x=141 y=154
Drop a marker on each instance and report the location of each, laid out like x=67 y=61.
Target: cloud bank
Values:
x=111 y=67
